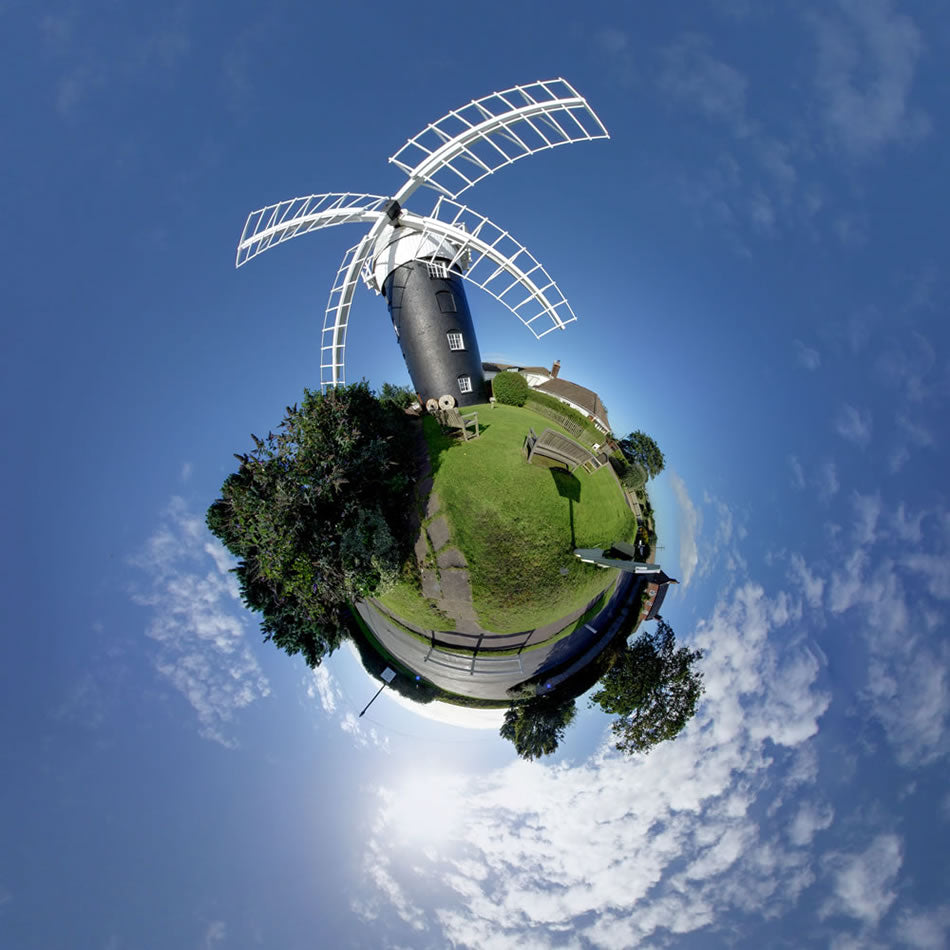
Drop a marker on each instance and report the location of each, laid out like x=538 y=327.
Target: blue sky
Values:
x=758 y=261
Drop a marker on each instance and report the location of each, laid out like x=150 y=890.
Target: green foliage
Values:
x=569 y=412
x=639 y=448
x=631 y=474
x=653 y=688
x=402 y=396
x=510 y=388
x=537 y=726
x=317 y=515
x=514 y=527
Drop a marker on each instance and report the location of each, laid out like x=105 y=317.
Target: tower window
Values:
x=465 y=384
x=455 y=340
x=437 y=270
x=446 y=301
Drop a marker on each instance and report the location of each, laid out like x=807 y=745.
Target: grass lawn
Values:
x=405 y=600
x=518 y=524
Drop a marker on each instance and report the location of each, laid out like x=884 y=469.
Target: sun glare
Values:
x=424 y=810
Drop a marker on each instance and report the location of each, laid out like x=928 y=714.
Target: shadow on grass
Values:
x=568 y=487
x=440 y=441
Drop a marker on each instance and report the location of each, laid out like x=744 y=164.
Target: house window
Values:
x=437 y=270
x=455 y=340
x=446 y=301
x=465 y=384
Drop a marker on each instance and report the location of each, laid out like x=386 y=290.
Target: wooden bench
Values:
x=453 y=419
x=560 y=448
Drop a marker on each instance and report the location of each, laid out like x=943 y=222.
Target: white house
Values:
x=544 y=380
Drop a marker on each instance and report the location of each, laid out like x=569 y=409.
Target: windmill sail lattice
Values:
x=449 y=156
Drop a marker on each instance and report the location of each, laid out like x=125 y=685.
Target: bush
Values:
x=402 y=396
x=510 y=388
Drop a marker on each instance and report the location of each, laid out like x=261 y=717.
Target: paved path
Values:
x=442 y=567
x=490 y=677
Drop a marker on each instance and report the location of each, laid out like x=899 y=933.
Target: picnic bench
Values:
x=453 y=419
x=561 y=448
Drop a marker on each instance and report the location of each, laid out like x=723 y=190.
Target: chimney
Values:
x=556 y=368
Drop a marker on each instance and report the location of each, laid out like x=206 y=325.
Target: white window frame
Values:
x=456 y=340
x=437 y=270
x=465 y=383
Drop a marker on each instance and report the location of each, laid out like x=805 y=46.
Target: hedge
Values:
x=510 y=388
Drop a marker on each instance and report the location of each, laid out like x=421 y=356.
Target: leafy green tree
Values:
x=654 y=689
x=638 y=448
x=631 y=474
x=510 y=388
x=317 y=515
x=537 y=726
x=402 y=396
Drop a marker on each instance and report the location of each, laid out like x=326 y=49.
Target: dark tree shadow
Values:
x=569 y=487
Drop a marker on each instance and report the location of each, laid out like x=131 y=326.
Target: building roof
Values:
x=660 y=583
x=588 y=400
x=502 y=367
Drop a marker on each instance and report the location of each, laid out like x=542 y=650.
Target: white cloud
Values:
x=915 y=431
x=675 y=841
x=906 y=364
x=322 y=684
x=826 y=480
x=186 y=470
x=867 y=510
x=215 y=934
x=363 y=735
x=924 y=930
x=863 y=883
x=854 y=425
x=808 y=821
x=867 y=57
x=693 y=75
x=197 y=621
x=807 y=356
x=812 y=585
x=613 y=46
x=798 y=473
x=689 y=524
x=908 y=669
x=612 y=40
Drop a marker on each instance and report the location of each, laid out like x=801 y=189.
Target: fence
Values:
x=583 y=433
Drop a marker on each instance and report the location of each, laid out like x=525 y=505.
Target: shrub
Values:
x=551 y=402
x=402 y=396
x=510 y=388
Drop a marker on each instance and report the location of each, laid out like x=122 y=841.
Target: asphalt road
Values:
x=485 y=676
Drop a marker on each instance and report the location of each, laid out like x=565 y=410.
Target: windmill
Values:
x=418 y=261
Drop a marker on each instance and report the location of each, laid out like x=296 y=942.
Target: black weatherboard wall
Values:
x=430 y=312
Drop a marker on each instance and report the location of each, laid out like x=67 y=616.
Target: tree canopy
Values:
x=537 y=726
x=317 y=515
x=510 y=388
x=638 y=448
x=402 y=396
x=653 y=688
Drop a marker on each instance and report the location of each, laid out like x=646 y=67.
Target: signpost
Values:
x=388 y=675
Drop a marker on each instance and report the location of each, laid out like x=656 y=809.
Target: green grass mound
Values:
x=518 y=524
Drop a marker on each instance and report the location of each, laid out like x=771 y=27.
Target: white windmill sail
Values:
x=450 y=156
x=468 y=144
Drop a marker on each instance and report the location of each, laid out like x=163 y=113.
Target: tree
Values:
x=653 y=688
x=638 y=448
x=537 y=726
x=317 y=515
x=402 y=396
x=510 y=388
